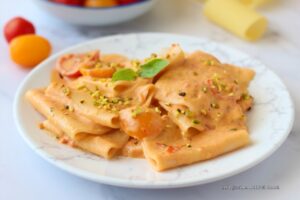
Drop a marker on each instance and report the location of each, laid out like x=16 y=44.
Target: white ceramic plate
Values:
x=270 y=120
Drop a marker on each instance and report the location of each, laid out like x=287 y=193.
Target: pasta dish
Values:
x=173 y=108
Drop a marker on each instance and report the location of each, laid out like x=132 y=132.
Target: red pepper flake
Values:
x=63 y=140
x=171 y=149
x=209 y=82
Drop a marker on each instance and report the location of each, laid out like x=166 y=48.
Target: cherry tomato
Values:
x=70 y=2
x=139 y=125
x=100 y=3
x=29 y=50
x=16 y=27
x=69 y=65
x=123 y=2
x=102 y=72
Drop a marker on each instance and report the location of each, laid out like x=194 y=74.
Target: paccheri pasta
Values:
x=237 y=17
x=172 y=109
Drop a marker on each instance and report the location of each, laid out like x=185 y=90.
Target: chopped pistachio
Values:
x=136 y=111
x=127 y=102
x=204 y=89
x=107 y=106
x=188 y=113
x=135 y=63
x=114 y=109
x=115 y=100
x=168 y=104
x=95 y=94
x=195 y=121
x=214 y=105
x=80 y=87
x=245 y=96
x=96 y=103
x=178 y=111
x=98 y=65
x=216 y=76
x=113 y=64
x=209 y=62
x=203 y=112
x=157 y=110
x=71 y=109
x=66 y=91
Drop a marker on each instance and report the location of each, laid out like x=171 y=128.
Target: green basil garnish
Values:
x=153 y=67
x=124 y=75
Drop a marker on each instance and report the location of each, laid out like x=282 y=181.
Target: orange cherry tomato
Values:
x=16 y=27
x=140 y=125
x=69 y=65
x=102 y=72
x=29 y=50
x=100 y=3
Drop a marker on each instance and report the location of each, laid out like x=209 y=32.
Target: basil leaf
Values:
x=124 y=75
x=153 y=67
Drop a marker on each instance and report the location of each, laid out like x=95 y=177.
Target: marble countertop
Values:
x=24 y=175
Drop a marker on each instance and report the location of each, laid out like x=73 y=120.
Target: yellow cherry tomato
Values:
x=140 y=123
x=103 y=72
x=100 y=3
x=29 y=50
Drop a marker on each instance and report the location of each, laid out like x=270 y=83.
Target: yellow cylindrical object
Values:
x=254 y=3
x=237 y=18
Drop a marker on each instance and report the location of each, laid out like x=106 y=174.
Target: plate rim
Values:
x=137 y=183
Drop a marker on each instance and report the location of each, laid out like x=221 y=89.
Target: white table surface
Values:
x=24 y=175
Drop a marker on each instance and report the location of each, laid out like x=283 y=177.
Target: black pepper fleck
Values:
x=183 y=94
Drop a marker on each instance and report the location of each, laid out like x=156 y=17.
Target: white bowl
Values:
x=95 y=16
x=270 y=119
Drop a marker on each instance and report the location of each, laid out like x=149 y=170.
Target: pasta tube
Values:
x=68 y=121
x=106 y=145
x=237 y=18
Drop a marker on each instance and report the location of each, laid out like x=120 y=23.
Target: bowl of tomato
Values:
x=95 y=12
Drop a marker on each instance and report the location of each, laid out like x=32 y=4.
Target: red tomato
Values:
x=69 y=65
x=123 y=2
x=16 y=27
x=70 y=2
